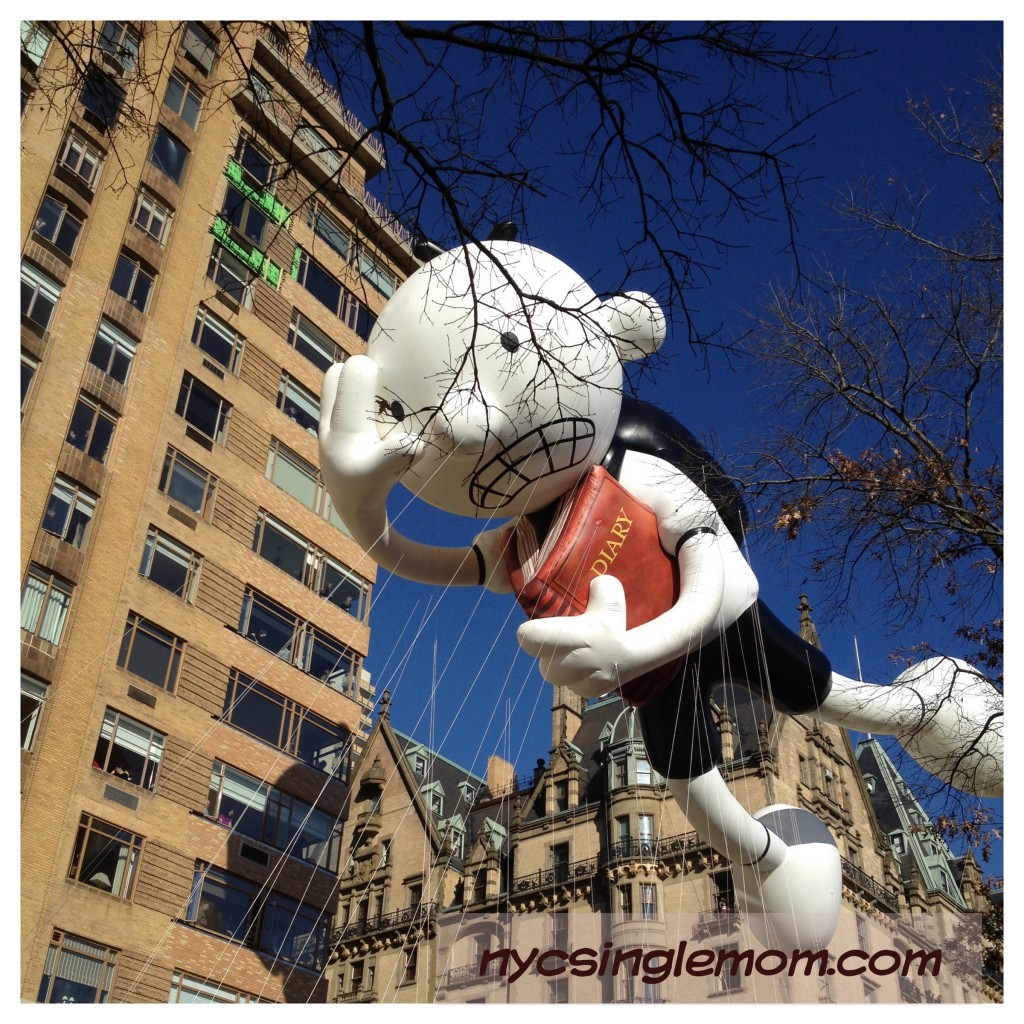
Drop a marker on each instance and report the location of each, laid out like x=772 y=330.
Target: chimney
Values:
x=501 y=776
x=566 y=716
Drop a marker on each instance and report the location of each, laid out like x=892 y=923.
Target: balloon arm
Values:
x=867 y=707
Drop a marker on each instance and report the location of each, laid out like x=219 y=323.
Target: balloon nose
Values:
x=471 y=422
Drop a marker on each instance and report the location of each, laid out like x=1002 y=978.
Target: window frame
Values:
x=349 y=309
x=301 y=395
x=149 y=210
x=320 y=503
x=31 y=33
x=136 y=278
x=58 y=237
x=191 y=389
x=113 y=351
x=80 y=508
x=208 y=323
x=202 y=41
x=302 y=329
x=195 y=989
x=175 y=168
x=29 y=366
x=49 y=620
x=132 y=653
x=234 y=281
x=34 y=693
x=76 y=153
x=138 y=739
x=101 y=97
x=39 y=286
x=112 y=839
x=99 y=413
x=162 y=545
x=75 y=948
x=175 y=461
x=112 y=44
x=251 y=168
x=190 y=102
x=247 y=221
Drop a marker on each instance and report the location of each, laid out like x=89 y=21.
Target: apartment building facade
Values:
x=198 y=247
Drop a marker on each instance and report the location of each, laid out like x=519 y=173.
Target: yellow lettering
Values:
x=603 y=567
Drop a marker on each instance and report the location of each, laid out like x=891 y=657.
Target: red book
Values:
x=597 y=528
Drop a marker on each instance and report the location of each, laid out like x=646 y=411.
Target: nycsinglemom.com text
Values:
x=654 y=966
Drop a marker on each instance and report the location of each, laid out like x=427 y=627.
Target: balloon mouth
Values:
x=547 y=450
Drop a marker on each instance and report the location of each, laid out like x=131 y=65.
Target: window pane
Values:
x=298 y=404
x=199 y=46
x=311 y=342
x=168 y=154
x=186 y=481
x=150 y=652
x=33 y=694
x=283 y=548
x=113 y=352
x=255 y=709
x=216 y=339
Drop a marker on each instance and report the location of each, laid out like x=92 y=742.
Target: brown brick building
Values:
x=197 y=248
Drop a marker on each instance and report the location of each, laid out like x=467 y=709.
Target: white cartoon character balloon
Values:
x=492 y=387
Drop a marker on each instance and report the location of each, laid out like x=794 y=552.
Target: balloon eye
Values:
x=397 y=411
x=509 y=342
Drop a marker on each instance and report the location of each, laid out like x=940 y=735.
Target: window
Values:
x=560 y=861
x=102 y=97
x=91 y=429
x=187 y=482
x=113 y=352
x=645 y=831
x=132 y=281
x=621 y=772
x=58 y=225
x=377 y=275
x=648 y=901
x=29 y=365
x=304 y=645
x=319 y=146
x=169 y=154
x=230 y=275
x=199 y=47
x=898 y=844
x=561 y=796
x=257 y=166
x=298 y=404
x=283 y=548
x=870 y=992
x=121 y=42
x=186 y=989
x=330 y=231
x=625 y=901
x=150 y=652
x=351 y=593
x=290 y=727
x=105 y=857
x=35 y=40
x=33 y=696
x=39 y=296
x=302 y=481
x=128 y=749
x=151 y=216
x=341 y=302
x=245 y=217
x=203 y=409
x=183 y=99
x=260 y=87
x=217 y=339
x=81 y=159
x=45 y=600
x=308 y=340
x=409 y=972
x=271 y=816
x=730 y=977
x=170 y=565
x=643 y=772
x=69 y=511
x=76 y=971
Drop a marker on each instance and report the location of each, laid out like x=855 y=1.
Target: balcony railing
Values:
x=360 y=995
x=716 y=922
x=653 y=848
x=869 y=887
x=398 y=920
x=558 y=875
x=471 y=973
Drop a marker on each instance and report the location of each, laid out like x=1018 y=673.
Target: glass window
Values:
x=183 y=99
x=29 y=365
x=170 y=565
x=35 y=40
x=45 y=600
x=187 y=482
x=319 y=146
x=132 y=281
x=330 y=661
x=186 y=989
x=256 y=165
x=643 y=772
x=299 y=404
x=342 y=587
x=105 y=857
x=199 y=46
x=217 y=339
x=202 y=408
x=283 y=548
x=169 y=154
x=648 y=901
x=260 y=87
x=113 y=352
x=341 y=302
x=150 y=652
x=230 y=275
x=121 y=42
x=81 y=159
x=76 y=971
x=308 y=340
x=151 y=216
x=91 y=429
x=128 y=749
x=377 y=274
x=293 y=474
x=39 y=296
x=272 y=626
x=69 y=511
x=330 y=231
x=33 y=696
x=58 y=225
x=245 y=217
x=102 y=97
